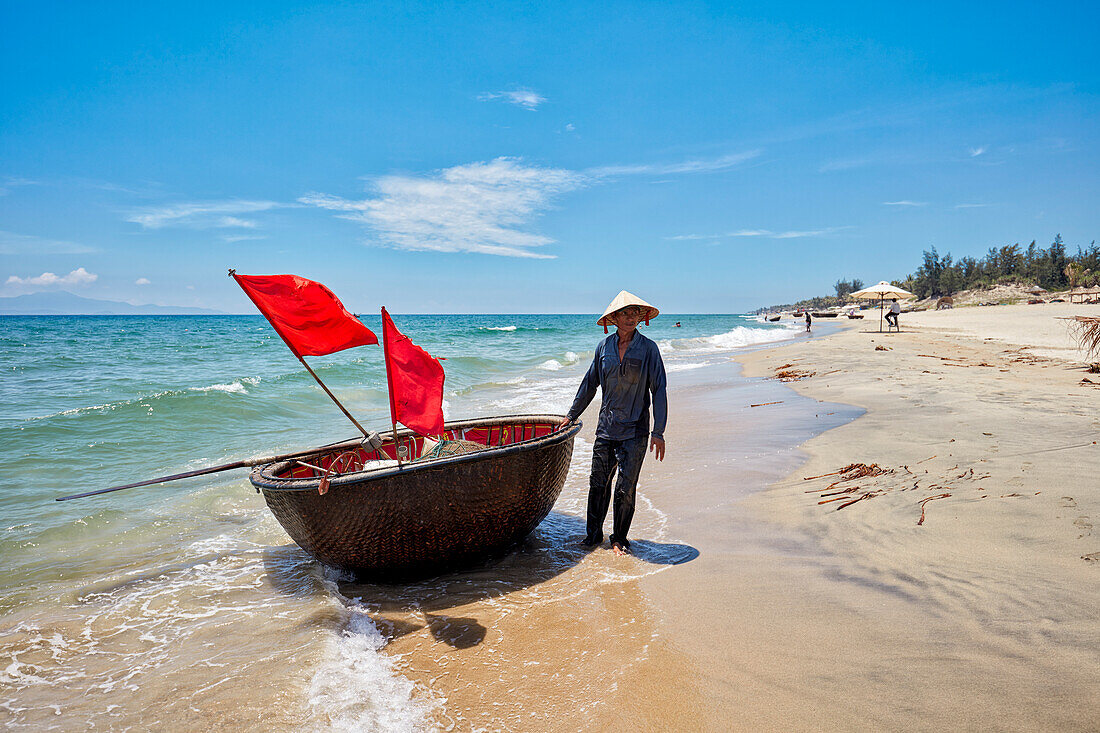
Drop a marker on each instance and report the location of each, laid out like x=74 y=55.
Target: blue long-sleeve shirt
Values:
x=627 y=386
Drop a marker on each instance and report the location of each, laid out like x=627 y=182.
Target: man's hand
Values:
x=563 y=423
x=657 y=448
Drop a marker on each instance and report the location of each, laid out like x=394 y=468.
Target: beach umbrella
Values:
x=880 y=292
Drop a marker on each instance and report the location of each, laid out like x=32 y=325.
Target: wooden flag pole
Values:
x=330 y=394
x=389 y=385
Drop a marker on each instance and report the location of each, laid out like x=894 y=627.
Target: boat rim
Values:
x=263 y=477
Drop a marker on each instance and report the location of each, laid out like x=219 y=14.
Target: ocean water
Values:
x=185 y=605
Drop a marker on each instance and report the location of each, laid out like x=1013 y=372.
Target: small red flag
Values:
x=310 y=319
x=415 y=381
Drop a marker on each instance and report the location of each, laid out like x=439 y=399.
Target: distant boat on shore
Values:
x=824 y=314
x=774 y=318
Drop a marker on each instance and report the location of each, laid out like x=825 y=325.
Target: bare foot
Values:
x=618 y=549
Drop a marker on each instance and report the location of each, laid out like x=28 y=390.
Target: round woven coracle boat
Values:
x=480 y=492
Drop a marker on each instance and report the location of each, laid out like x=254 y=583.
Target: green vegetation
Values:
x=1050 y=268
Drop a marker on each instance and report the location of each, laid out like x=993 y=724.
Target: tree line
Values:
x=1050 y=267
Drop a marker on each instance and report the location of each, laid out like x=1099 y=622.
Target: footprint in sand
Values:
x=1092 y=557
x=1068 y=502
x=1083 y=524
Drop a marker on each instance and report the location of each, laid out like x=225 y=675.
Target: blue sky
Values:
x=535 y=157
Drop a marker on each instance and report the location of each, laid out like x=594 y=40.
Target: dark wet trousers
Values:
x=607 y=456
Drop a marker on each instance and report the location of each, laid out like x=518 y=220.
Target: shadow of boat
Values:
x=551 y=549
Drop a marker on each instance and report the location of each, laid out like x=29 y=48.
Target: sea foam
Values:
x=359 y=688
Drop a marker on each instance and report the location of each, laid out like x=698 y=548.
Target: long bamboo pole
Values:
x=246 y=463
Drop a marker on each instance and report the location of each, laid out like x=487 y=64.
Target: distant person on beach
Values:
x=628 y=368
x=895 y=311
x=808 y=321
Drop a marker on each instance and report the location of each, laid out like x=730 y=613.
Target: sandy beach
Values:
x=761 y=609
x=860 y=616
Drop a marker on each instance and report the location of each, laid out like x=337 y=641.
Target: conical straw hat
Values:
x=622 y=300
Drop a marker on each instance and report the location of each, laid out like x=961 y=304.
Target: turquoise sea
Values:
x=111 y=606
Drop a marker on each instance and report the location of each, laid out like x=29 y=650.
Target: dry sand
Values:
x=986 y=615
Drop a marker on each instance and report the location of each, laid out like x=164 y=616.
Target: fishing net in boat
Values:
x=447 y=448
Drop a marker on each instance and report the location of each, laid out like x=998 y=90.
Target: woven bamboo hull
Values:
x=426 y=517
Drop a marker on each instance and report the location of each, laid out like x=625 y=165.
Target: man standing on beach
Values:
x=628 y=368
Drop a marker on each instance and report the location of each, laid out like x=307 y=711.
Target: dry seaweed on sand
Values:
x=847 y=496
x=925 y=501
x=849 y=473
x=792 y=375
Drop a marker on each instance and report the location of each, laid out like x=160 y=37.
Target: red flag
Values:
x=310 y=319
x=415 y=380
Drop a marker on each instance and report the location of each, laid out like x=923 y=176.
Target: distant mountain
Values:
x=67 y=304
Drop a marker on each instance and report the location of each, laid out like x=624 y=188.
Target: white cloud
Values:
x=740 y=233
x=883 y=158
x=478 y=207
x=971 y=206
x=526 y=98
x=701 y=165
x=142 y=281
x=694 y=237
x=7 y=184
x=794 y=234
x=846 y=164
x=231 y=238
x=975 y=152
x=48 y=280
x=809 y=233
x=227 y=222
x=570 y=127
x=201 y=215
x=18 y=244
x=904 y=203
x=483 y=207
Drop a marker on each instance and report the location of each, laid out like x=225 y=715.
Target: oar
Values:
x=247 y=463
